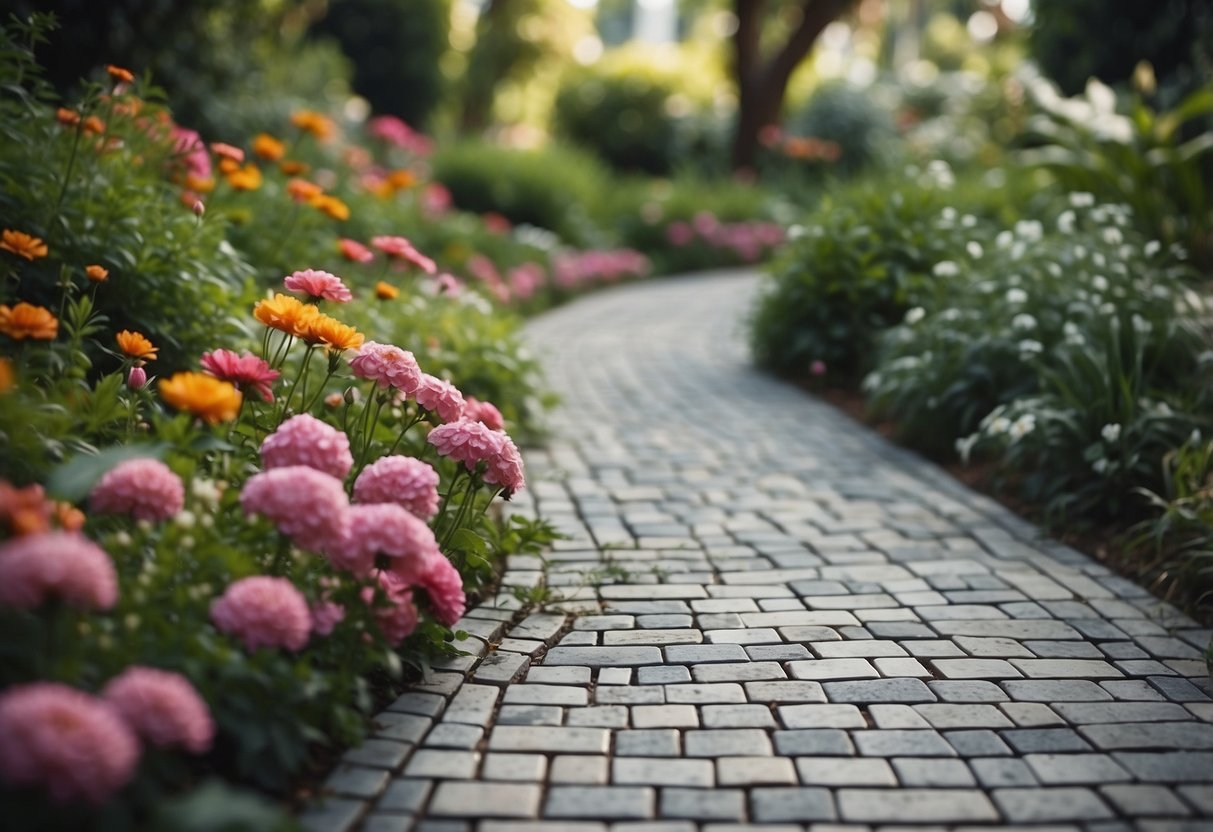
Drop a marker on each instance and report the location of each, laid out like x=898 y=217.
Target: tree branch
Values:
x=817 y=14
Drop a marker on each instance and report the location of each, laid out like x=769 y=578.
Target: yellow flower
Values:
x=207 y=397
x=386 y=291
x=285 y=313
x=97 y=274
x=119 y=74
x=28 y=321
x=335 y=335
x=22 y=244
x=268 y=148
x=310 y=121
x=247 y=178
x=136 y=345
x=7 y=379
x=331 y=206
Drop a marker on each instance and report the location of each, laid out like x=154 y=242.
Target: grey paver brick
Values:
x=933 y=773
x=821 y=716
x=915 y=806
x=1075 y=769
x=610 y=802
x=603 y=656
x=696 y=804
x=896 y=743
x=1040 y=805
x=732 y=742
x=658 y=771
x=805 y=804
x=650 y=742
x=665 y=716
x=820 y=742
x=485 y=800
x=832 y=771
x=879 y=690
x=522 y=767
x=567 y=768
x=1029 y=740
x=574 y=740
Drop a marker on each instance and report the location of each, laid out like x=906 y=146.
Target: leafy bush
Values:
x=848 y=116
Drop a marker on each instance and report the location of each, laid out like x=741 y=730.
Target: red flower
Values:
x=246 y=371
x=402 y=249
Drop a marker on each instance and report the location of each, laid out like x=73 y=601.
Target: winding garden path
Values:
x=773 y=618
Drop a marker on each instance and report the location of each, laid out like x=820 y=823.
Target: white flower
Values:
x=1000 y=425
x=1054 y=269
x=1065 y=222
x=1082 y=199
x=1021 y=427
x=968 y=221
x=1070 y=328
x=1004 y=239
x=1112 y=236
x=964 y=446
x=1100 y=283
x=1030 y=230
x=950 y=315
x=1023 y=321
x=1017 y=296
x=205 y=490
x=948 y=214
x=915 y=315
x=872 y=381
x=974 y=249
x=1099 y=466
x=1107 y=309
x=1080 y=252
x=185 y=519
x=1152 y=248
x=1141 y=325
x=1110 y=432
x=946 y=268
x=1018 y=250
x=1029 y=348
x=1098 y=259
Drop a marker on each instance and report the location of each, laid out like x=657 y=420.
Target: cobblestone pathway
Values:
x=780 y=622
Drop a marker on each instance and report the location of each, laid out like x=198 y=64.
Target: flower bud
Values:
x=199 y=208
x=137 y=378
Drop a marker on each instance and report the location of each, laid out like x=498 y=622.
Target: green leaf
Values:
x=75 y=478
x=468 y=541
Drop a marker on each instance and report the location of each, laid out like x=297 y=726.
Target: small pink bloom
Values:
x=73 y=745
x=263 y=612
x=387 y=366
x=466 y=441
x=326 y=615
x=437 y=199
x=136 y=379
x=355 y=251
x=305 y=504
x=384 y=530
x=448 y=285
x=400 y=479
x=395 y=132
x=162 y=707
x=247 y=371
x=505 y=468
x=679 y=234
x=189 y=149
x=444 y=586
x=318 y=284
x=495 y=223
x=146 y=489
x=484 y=412
x=63 y=565
x=401 y=249
x=227 y=151
x=817 y=368
x=439 y=396
x=398 y=619
x=305 y=440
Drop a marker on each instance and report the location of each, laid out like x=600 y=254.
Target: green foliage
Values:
x=847 y=115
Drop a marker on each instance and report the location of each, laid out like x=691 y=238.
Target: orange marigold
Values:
x=401 y=179
x=323 y=329
x=331 y=207
x=227 y=151
x=7 y=379
x=386 y=291
x=268 y=148
x=96 y=273
x=310 y=121
x=247 y=178
x=285 y=313
x=227 y=165
x=66 y=117
x=22 y=244
x=136 y=345
x=69 y=517
x=24 y=510
x=120 y=74
x=292 y=167
x=28 y=321
x=199 y=184
x=92 y=124
x=210 y=399
x=301 y=190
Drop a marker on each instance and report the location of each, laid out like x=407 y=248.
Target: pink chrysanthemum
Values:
x=354 y=251
x=63 y=565
x=305 y=504
x=398 y=618
x=318 y=284
x=444 y=586
x=466 y=441
x=505 y=468
x=400 y=248
x=305 y=440
x=400 y=479
x=439 y=396
x=162 y=707
x=247 y=371
x=70 y=743
x=384 y=530
x=263 y=612
x=146 y=489
x=326 y=615
x=484 y=412
x=387 y=366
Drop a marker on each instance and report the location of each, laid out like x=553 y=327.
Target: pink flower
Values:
x=305 y=440
x=679 y=234
x=448 y=285
x=70 y=743
x=354 y=250
x=483 y=412
x=817 y=368
x=444 y=586
x=439 y=396
x=466 y=441
x=398 y=619
x=400 y=479
x=189 y=149
x=263 y=612
x=305 y=504
x=162 y=707
x=326 y=615
x=437 y=198
x=146 y=489
x=56 y=564
x=401 y=249
x=387 y=366
x=247 y=371
x=384 y=530
x=318 y=284
x=395 y=132
x=136 y=379
x=505 y=468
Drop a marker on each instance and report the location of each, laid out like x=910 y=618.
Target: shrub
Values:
x=849 y=117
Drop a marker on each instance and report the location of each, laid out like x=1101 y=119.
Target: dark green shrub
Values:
x=848 y=116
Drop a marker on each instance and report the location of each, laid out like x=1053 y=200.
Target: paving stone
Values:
x=652 y=742
x=821 y=742
x=665 y=716
x=485 y=800
x=737 y=716
x=881 y=743
x=530 y=715
x=975 y=715
x=600 y=802
x=603 y=656
x=378 y=754
x=531 y=768
x=473 y=705
x=1075 y=769
x=977 y=743
x=544 y=675
x=544 y=738
x=658 y=771
x=821 y=716
x=1083 y=713
x=789 y=692
x=933 y=773
x=624 y=695
x=705 y=694
x=995 y=772
x=408 y=728
x=822 y=669
x=356 y=781
x=415 y=702
x=832 y=771
x=1167 y=766
x=1029 y=740
x=1151 y=801
x=615 y=675
x=774 y=804
x=975 y=669
x=1040 y=805
x=499 y=668
x=578 y=769
x=738 y=672
x=454 y=735
x=333 y=814
x=696 y=804
x=915 y=806
x=534 y=694
x=404 y=795
x=732 y=742
x=601 y=716
x=1150 y=735
x=1055 y=691
x=752 y=771
x=879 y=690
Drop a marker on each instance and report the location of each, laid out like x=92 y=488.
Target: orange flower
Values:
x=92 y=124
x=386 y=291
x=66 y=117
x=285 y=313
x=301 y=190
x=136 y=345
x=119 y=74
x=210 y=399
x=22 y=244
x=69 y=517
x=131 y=106
x=199 y=184
x=7 y=379
x=228 y=165
x=331 y=206
x=28 y=321
x=310 y=121
x=247 y=178
x=24 y=510
x=322 y=329
x=291 y=167
x=400 y=179
x=227 y=151
x=268 y=148
x=97 y=274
